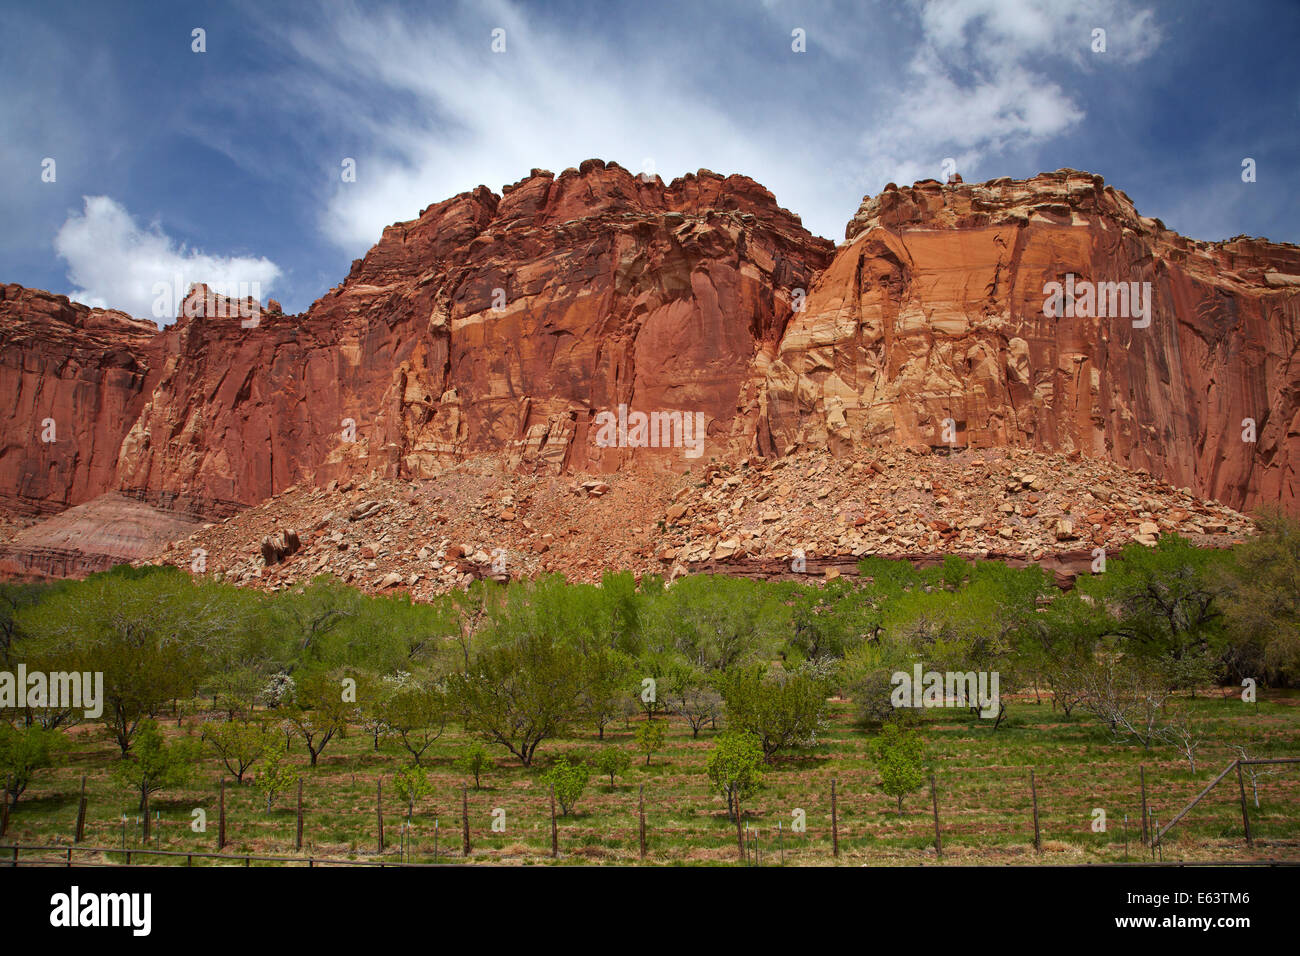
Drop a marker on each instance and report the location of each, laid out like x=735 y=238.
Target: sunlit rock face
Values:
x=939 y=312
x=1043 y=314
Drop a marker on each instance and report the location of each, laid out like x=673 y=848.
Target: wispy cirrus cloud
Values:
x=437 y=111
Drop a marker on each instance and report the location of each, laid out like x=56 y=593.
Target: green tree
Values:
x=1165 y=597
x=520 y=693
x=606 y=674
x=306 y=615
x=611 y=761
x=716 y=621
x=473 y=760
x=735 y=767
x=276 y=776
x=148 y=631
x=900 y=759
x=155 y=764
x=320 y=710
x=1261 y=600
x=649 y=738
x=25 y=750
x=831 y=620
x=781 y=708
x=412 y=784
x=569 y=779
x=15 y=597
x=415 y=712
x=238 y=744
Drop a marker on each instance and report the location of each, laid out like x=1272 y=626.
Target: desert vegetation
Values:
x=716 y=703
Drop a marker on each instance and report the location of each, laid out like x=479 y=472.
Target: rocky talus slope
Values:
x=758 y=517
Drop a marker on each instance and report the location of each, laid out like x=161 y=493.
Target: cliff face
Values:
x=936 y=310
x=508 y=323
x=74 y=379
x=489 y=323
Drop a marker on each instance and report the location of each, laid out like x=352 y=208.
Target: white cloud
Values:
x=437 y=113
x=978 y=84
x=114 y=263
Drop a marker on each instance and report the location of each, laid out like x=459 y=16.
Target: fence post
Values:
x=299 y=839
x=80 y=832
x=464 y=818
x=379 y=810
x=1245 y=818
x=1142 y=774
x=740 y=834
x=221 y=817
x=641 y=814
x=1033 y=792
x=835 y=823
x=146 y=816
x=938 y=840
x=555 y=833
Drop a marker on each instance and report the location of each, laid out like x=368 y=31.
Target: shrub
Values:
x=612 y=761
x=735 y=767
x=569 y=781
x=900 y=758
x=473 y=760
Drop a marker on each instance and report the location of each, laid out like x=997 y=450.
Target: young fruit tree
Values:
x=23 y=751
x=276 y=776
x=612 y=761
x=320 y=710
x=782 y=708
x=520 y=693
x=412 y=784
x=900 y=759
x=155 y=764
x=473 y=761
x=735 y=768
x=649 y=738
x=569 y=781
x=238 y=744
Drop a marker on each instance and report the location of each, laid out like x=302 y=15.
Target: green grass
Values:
x=982 y=778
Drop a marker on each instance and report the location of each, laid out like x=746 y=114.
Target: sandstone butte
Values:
x=493 y=329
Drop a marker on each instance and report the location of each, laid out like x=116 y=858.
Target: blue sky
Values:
x=224 y=166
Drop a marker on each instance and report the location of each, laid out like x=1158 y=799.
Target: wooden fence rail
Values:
x=65 y=852
x=1235 y=765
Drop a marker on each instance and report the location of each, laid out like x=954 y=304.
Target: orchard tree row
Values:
x=519 y=665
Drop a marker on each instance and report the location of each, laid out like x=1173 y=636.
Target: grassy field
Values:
x=982 y=778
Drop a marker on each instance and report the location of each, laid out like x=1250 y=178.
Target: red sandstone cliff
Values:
x=76 y=375
x=935 y=310
x=489 y=323
x=506 y=323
